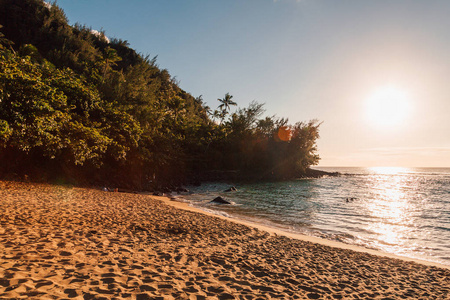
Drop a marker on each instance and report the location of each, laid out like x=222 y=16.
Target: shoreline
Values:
x=302 y=237
x=83 y=243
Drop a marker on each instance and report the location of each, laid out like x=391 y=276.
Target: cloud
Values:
x=100 y=35
x=47 y=4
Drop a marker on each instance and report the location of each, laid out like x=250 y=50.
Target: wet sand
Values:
x=58 y=242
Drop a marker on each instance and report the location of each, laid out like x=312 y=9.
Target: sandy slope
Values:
x=60 y=242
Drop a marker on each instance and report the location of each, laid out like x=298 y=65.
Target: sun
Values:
x=388 y=106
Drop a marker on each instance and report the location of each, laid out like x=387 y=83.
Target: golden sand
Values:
x=58 y=242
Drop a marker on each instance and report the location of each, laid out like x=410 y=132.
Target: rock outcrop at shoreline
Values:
x=239 y=176
x=313 y=173
x=220 y=200
x=58 y=242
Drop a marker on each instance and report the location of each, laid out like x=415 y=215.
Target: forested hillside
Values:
x=77 y=106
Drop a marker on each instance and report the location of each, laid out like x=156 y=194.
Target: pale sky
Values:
x=309 y=59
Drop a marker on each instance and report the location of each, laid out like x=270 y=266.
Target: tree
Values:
x=224 y=107
x=110 y=58
x=71 y=99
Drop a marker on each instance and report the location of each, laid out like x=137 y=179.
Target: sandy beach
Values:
x=63 y=242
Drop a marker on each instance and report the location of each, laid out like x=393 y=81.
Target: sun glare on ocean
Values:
x=387 y=107
x=389 y=170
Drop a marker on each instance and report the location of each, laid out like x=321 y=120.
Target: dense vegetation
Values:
x=78 y=106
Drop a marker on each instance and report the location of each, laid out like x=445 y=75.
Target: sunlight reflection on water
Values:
x=397 y=210
x=389 y=203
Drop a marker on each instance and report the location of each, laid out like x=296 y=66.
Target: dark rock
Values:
x=220 y=200
x=231 y=189
x=312 y=173
x=166 y=190
x=182 y=190
x=156 y=193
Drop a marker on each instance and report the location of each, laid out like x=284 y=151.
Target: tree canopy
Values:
x=76 y=105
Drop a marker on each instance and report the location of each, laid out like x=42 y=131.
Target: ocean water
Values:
x=404 y=211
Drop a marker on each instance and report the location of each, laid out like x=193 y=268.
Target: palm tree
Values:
x=176 y=106
x=226 y=102
x=110 y=58
x=224 y=107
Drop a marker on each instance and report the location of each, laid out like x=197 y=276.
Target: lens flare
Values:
x=284 y=134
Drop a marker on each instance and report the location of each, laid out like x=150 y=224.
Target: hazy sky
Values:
x=309 y=59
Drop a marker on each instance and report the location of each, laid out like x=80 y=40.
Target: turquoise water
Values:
x=404 y=211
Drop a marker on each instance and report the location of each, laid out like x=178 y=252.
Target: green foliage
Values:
x=36 y=109
x=73 y=102
x=58 y=114
x=31 y=51
x=5 y=132
x=266 y=148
